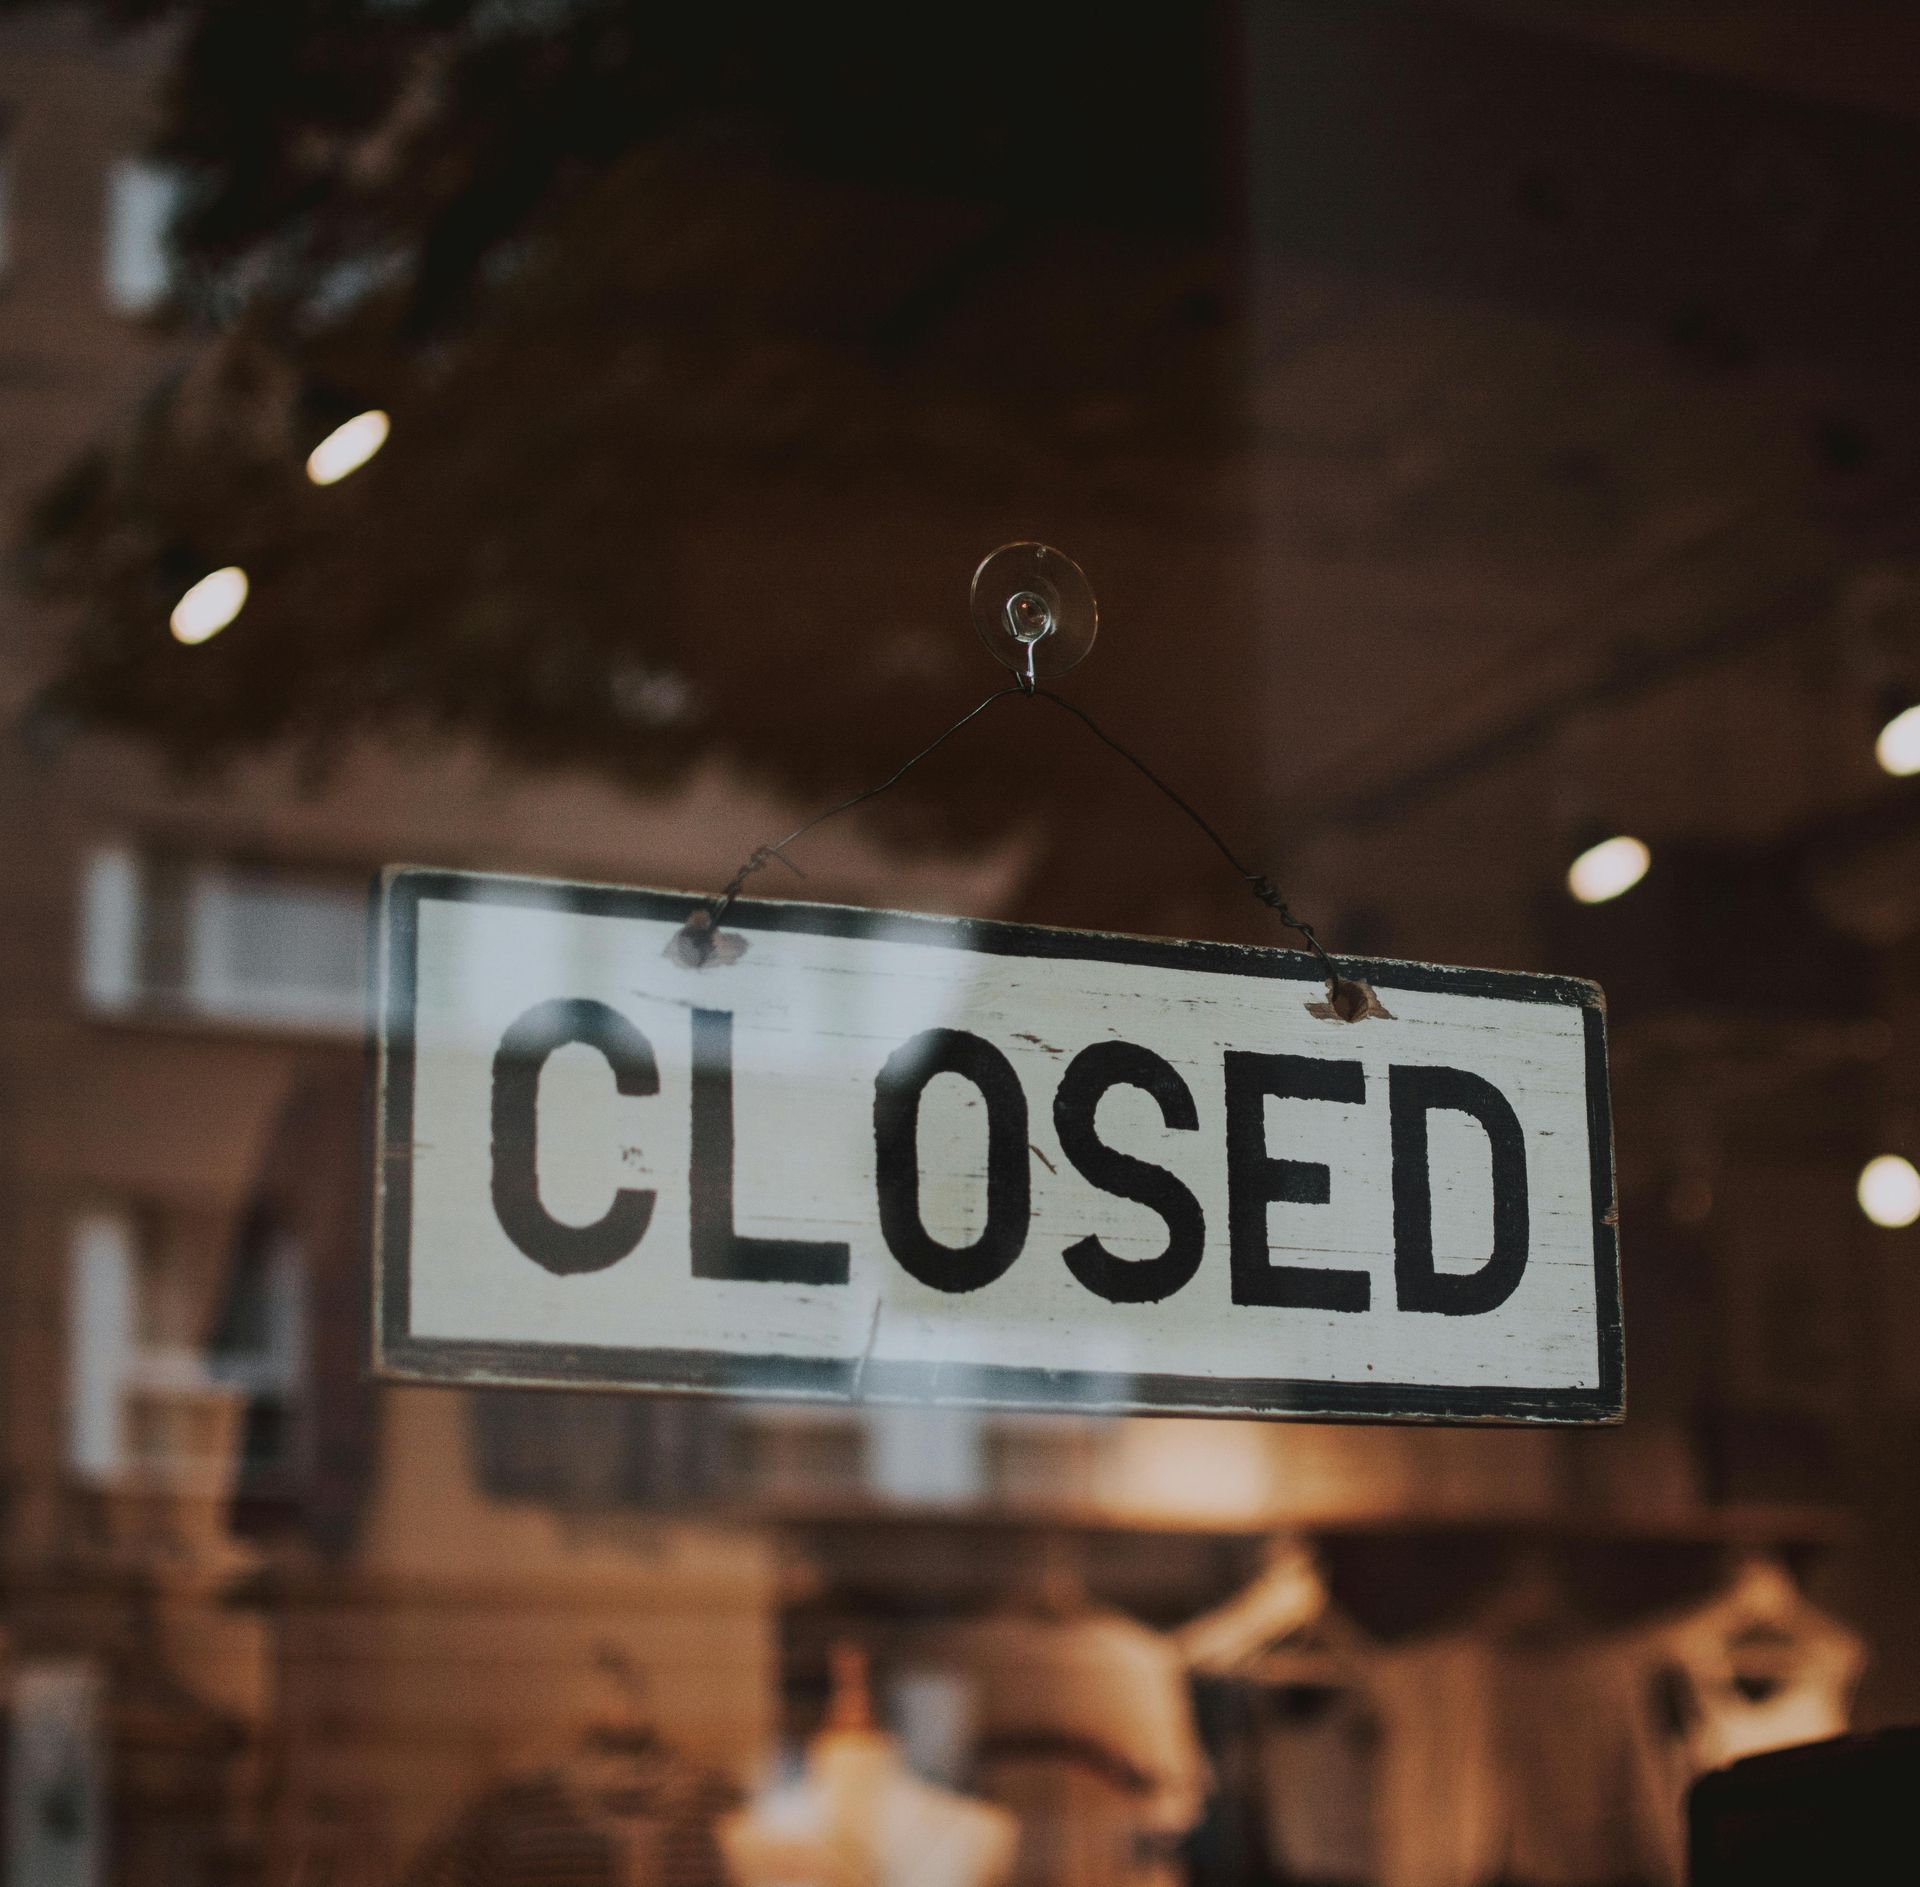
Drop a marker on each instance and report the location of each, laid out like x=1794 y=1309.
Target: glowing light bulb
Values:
x=348 y=447
x=1605 y=870
x=1889 y=1191
x=1898 y=747
x=210 y=605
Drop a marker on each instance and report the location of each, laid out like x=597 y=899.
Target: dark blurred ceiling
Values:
x=1479 y=422
x=1860 y=53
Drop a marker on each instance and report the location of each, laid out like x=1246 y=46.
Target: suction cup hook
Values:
x=1035 y=610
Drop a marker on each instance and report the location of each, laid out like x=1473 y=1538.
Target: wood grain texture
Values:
x=820 y=1002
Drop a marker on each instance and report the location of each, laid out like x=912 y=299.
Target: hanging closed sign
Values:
x=860 y=1155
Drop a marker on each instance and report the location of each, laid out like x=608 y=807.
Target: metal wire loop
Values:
x=1263 y=888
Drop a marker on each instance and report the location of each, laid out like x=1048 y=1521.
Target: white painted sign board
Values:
x=869 y=1156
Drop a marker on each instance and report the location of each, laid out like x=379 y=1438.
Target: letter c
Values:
x=566 y=1250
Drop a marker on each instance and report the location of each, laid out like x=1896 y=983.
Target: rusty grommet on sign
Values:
x=1349 y=999
x=700 y=941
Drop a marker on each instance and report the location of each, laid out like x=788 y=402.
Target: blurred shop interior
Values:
x=555 y=436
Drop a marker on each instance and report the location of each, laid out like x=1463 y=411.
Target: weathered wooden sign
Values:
x=862 y=1155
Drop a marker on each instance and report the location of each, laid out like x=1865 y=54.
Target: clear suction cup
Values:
x=1035 y=610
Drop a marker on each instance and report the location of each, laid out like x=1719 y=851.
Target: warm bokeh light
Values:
x=1605 y=870
x=1889 y=1191
x=210 y=605
x=348 y=447
x=1898 y=747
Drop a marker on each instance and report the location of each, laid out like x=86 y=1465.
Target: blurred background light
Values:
x=1605 y=870
x=1889 y=1191
x=1898 y=747
x=210 y=605
x=348 y=447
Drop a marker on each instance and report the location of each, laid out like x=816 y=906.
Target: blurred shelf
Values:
x=1743 y=1525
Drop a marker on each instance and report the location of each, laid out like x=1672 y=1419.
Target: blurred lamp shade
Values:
x=1605 y=870
x=1898 y=746
x=210 y=605
x=348 y=447
x=1889 y=1191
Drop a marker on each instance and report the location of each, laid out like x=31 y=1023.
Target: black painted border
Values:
x=398 y=1353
